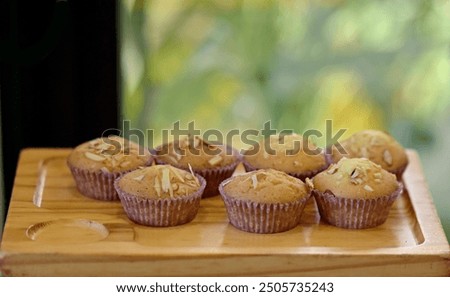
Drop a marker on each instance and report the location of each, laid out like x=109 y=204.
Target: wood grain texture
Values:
x=52 y=230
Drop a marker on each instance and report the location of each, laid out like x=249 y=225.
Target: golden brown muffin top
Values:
x=159 y=182
x=266 y=186
x=288 y=153
x=196 y=152
x=109 y=154
x=377 y=146
x=357 y=178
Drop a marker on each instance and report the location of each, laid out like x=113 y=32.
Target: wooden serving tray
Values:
x=53 y=230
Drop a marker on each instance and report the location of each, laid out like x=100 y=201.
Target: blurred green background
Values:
x=238 y=64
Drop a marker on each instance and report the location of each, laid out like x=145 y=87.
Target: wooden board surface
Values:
x=52 y=230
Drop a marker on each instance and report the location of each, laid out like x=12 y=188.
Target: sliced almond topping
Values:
x=125 y=164
x=177 y=174
x=276 y=182
x=190 y=169
x=177 y=156
x=254 y=181
x=355 y=173
x=356 y=181
x=208 y=143
x=215 y=160
x=104 y=146
x=106 y=153
x=193 y=175
x=157 y=186
x=139 y=178
x=368 y=188
x=171 y=191
x=94 y=157
x=165 y=182
x=377 y=175
x=104 y=169
x=387 y=157
x=309 y=183
x=332 y=170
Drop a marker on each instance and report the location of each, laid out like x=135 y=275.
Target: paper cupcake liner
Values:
x=213 y=176
x=255 y=217
x=355 y=213
x=98 y=185
x=300 y=175
x=162 y=212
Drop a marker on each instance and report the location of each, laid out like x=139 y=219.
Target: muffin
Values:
x=215 y=162
x=160 y=195
x=288 y=153
x=355 y=193
x=377 y=146
x=264 y=201
x=97 y=163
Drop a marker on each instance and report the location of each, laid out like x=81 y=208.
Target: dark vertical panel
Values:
x=58 y=74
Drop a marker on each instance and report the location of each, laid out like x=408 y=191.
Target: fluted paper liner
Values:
x=161 y=212
x=256 y=217
x=98 y=184
x=355 y=213
x=213 y=176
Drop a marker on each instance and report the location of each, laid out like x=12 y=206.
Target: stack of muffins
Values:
x=354 y=184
